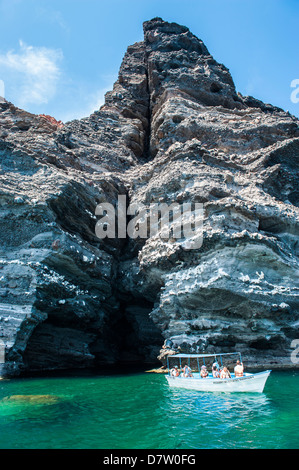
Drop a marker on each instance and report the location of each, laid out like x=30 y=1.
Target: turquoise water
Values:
x=139 y=411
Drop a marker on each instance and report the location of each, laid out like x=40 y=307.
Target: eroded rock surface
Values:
x=173 y=129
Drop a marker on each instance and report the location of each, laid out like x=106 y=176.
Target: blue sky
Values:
x=60 y=57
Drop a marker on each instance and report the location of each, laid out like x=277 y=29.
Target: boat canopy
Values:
x=188 y=357
x=198 y=356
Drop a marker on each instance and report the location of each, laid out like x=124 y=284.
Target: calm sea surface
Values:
x=139 y=411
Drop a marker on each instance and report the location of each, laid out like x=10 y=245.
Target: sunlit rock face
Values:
x=172 y=130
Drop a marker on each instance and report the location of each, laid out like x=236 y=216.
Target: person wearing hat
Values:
x=203 y=372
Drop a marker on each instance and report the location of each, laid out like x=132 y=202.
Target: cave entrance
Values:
x=133 y=333
x=124 y=337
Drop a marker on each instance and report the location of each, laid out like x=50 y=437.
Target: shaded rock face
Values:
x=173 y=129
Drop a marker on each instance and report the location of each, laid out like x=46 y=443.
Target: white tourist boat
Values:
x=247 y=383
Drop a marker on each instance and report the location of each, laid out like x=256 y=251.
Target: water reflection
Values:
x=221 y=420
x=219 y=402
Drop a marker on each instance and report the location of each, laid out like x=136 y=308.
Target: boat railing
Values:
x=199 y=360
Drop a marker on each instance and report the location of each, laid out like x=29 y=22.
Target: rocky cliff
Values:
x=173 y=129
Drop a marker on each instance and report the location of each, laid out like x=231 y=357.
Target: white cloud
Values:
x=31 y=74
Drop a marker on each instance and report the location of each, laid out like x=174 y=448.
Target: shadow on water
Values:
x=110 y=369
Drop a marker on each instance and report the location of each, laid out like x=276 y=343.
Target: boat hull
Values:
x=247 y=383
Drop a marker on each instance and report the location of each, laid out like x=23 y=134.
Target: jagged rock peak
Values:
x=164 y=26
x=178 y=36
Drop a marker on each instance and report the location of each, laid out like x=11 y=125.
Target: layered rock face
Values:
x=172 y=130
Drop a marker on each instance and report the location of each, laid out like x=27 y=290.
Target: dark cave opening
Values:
x=127 y=336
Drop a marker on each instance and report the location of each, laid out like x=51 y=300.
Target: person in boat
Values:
x=215 y=371
x=239 y=369
x=187 y=371
x=225 y=373
x=175 y=371
x=203 y=372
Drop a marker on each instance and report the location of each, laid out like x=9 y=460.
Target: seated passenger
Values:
x=187 y=371
x=204 y=372
x=175 y=371
x=239 y=369
x=215 y=372
x=225 y=374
